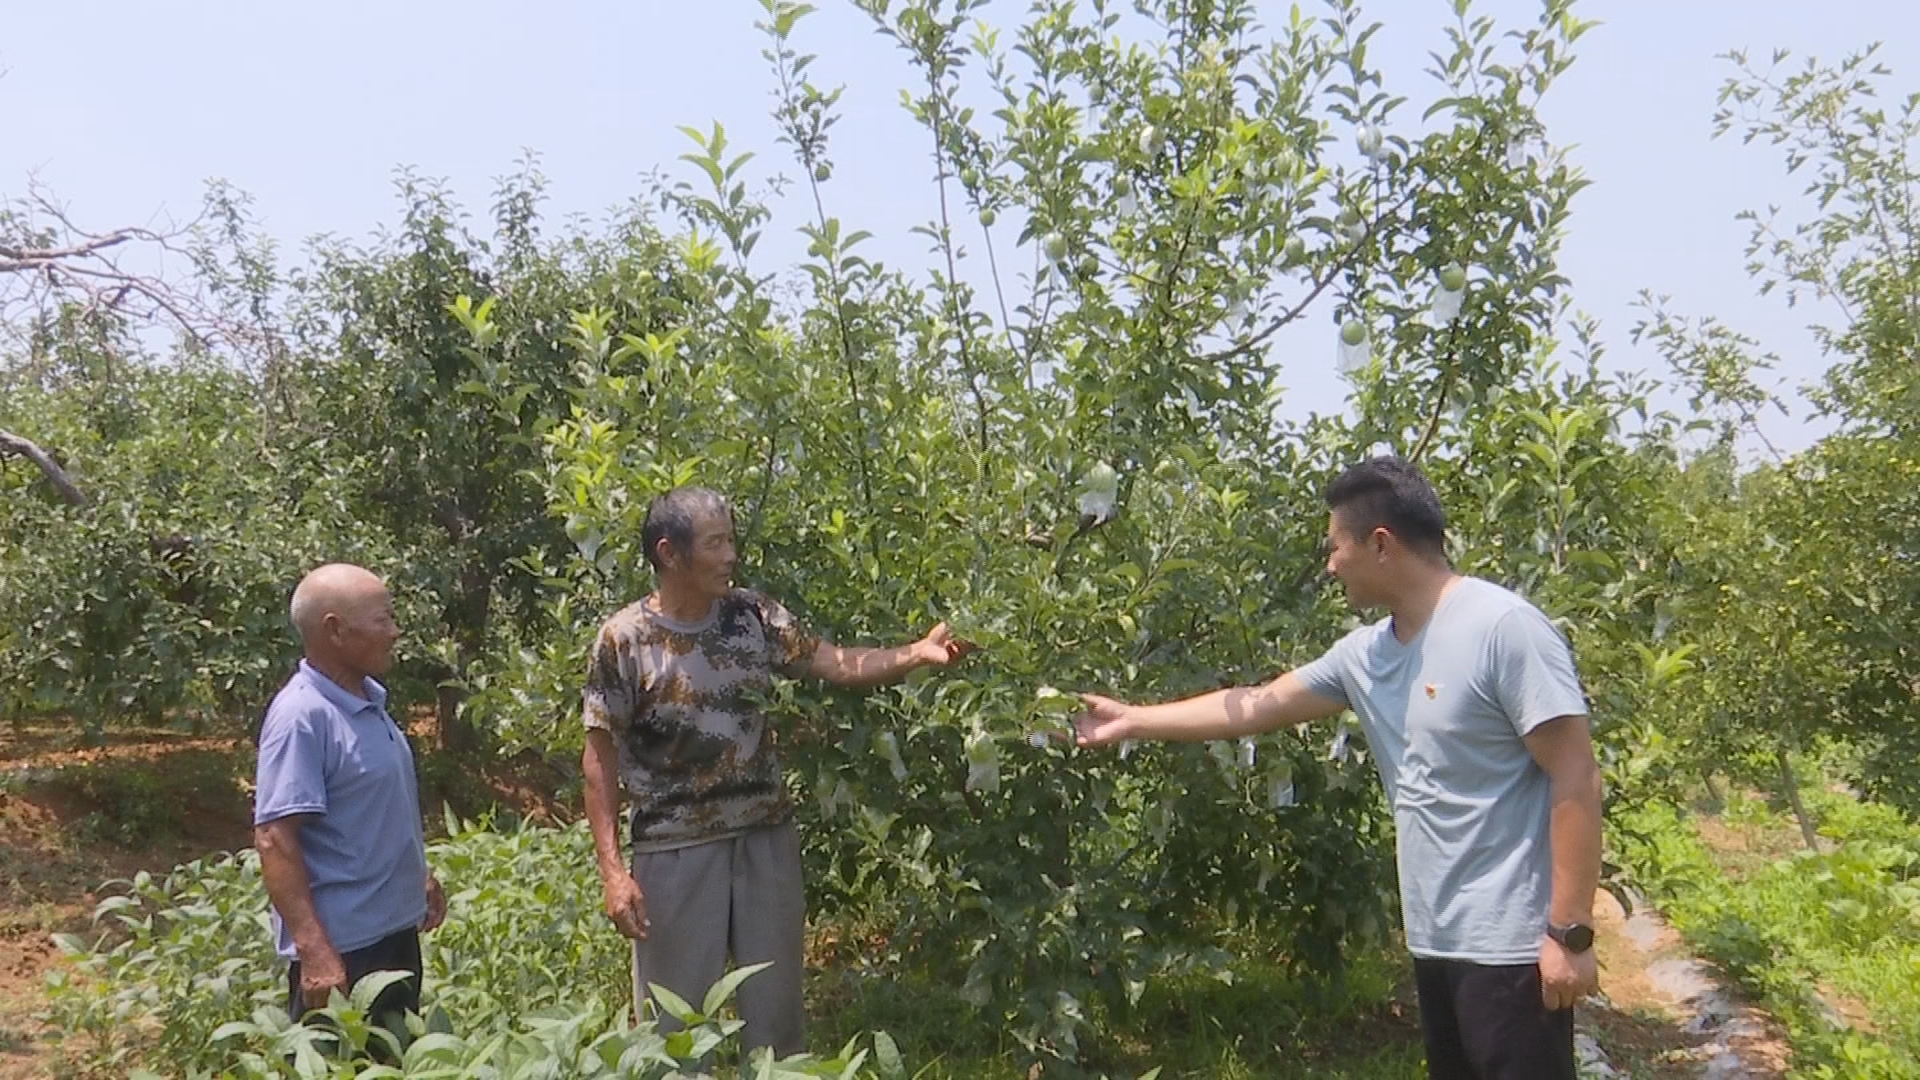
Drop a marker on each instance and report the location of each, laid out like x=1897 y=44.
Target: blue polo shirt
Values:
x=339 y=758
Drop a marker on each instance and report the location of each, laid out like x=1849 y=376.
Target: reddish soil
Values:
x=74 y=817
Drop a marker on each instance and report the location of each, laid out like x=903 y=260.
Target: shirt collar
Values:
x=376 y=698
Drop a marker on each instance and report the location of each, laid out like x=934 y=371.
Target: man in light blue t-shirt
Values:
x=337 y=809
x=1469 y=699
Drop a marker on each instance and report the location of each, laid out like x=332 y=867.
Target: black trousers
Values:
x=395 y=952
x=1487 y=1022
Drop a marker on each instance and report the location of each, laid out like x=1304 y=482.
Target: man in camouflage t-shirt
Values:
x=674 y=709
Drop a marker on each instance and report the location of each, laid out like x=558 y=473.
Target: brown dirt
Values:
x=1643 y=1026
x=1744 y=849
x=55 y=854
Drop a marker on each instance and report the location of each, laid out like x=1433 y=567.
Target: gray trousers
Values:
x=744 y=896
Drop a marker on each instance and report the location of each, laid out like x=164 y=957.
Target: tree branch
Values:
x=12 y=445
x=14 y=259
x=1449 y=367
x=48 y=262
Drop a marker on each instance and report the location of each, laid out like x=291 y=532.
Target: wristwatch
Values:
x=1575 y=937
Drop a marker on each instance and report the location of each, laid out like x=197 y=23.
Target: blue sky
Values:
x=126 y=108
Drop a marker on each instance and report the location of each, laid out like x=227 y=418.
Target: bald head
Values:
x=338 y=589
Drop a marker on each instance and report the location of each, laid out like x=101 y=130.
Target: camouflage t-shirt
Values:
x=685 y=703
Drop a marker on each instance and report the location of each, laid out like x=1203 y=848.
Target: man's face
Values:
x=364 y=632
x=1357 y=561
x=706 y=563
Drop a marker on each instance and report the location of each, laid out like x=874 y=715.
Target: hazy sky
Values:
x=126 y=108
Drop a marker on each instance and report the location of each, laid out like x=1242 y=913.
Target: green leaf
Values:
x=886 y=1057
x=722 y=992
x=674 y=1005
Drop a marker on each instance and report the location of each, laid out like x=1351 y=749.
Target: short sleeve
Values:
x=291 y=777
x=1534 y=679
x=789 y=643
x=1326 y=676
x=610 y=698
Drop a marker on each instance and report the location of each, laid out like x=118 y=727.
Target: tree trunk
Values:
x=1714 y=793
x=450 y=731
x=1790 y=786
x=467 y=619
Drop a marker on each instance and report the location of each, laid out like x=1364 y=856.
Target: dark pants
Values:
x=1487 y=1022
x=395 y=952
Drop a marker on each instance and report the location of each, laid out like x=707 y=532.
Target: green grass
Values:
x=1805 y=933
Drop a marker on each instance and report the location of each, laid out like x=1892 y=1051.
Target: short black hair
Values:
x=672 y=517
x=1390 y=493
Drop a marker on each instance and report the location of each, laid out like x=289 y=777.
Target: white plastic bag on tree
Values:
x=1280 y=785
x=1099 y=492
x=887 y=746
x=1371 y=142
x=983 y=764
x=1340 y=750
x=1222 y=755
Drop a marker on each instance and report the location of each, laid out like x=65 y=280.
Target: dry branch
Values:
x=12 y=445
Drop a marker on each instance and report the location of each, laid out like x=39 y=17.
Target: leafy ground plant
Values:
x=171 y=958
x=580 y=1039
x=1804 y=930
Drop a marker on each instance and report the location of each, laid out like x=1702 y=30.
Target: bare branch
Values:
x=14 y=259
x=49 y=264
x=12 y=445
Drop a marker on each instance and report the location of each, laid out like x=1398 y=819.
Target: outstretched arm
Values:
x=1222 y=714
x=857 y=668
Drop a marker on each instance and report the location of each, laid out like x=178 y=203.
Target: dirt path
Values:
x=1666 y=1014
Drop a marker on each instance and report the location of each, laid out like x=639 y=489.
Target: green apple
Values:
x=1354 y=332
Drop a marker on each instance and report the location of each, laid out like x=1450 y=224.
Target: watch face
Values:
x=1577 y=938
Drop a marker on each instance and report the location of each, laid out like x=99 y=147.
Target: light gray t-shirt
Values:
x=1444 y=715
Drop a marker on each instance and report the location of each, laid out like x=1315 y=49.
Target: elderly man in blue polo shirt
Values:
x=336 y=807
